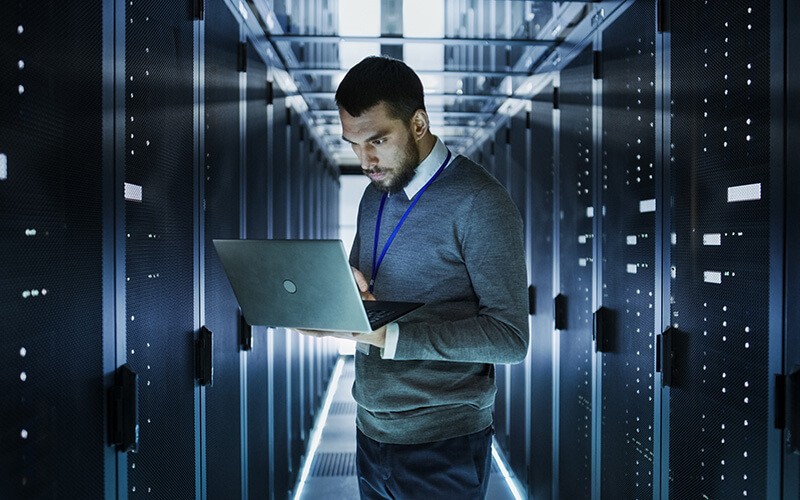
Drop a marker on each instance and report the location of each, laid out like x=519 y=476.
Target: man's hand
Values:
x=363 y=284
x=376 y=338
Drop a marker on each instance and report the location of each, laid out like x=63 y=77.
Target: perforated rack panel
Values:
x=721 y=242
x=51 y=237
x=628 y=246
x=576 y=236
x=159 y=255
x=221 y=177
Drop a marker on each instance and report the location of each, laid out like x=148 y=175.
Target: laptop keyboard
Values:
x=376 y=315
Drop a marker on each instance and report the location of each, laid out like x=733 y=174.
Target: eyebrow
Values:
x=380 y=134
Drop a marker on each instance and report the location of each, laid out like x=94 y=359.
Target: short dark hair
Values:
x=381 y=79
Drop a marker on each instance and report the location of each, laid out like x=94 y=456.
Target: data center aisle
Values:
x=333 y=470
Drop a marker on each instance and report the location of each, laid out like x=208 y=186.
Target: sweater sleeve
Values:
x=492 y=247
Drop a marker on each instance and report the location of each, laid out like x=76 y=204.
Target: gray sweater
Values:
x=460 y=252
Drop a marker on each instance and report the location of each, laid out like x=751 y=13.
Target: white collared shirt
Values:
x=427 y=168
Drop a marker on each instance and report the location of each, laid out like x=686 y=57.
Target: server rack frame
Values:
x=791 y=459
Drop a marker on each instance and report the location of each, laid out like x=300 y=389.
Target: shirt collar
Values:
x=427 y=168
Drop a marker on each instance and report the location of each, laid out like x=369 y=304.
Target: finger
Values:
x=361 y=281
x=314 y=333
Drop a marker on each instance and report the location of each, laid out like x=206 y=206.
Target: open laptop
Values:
x=304 y=284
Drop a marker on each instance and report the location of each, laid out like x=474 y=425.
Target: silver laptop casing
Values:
x=278 y=283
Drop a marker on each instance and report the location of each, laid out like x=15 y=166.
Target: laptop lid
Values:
x=305 y=284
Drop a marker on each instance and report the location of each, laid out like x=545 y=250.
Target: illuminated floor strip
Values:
x=511 y=480
x=316 y=433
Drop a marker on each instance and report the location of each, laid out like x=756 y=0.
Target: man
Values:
x=448 y=236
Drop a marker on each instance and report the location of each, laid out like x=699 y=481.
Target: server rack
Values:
x=57 y=284
x=162 y=245
x=133 y=134
x=679 y=175
x=123 y=201
x=575 y=304
x=625 y=317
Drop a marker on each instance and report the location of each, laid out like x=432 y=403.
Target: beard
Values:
x=403 y=173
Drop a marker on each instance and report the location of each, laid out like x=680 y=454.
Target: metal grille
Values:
x=629 y=242
x=333 y=464
x=576 y=235
x=343 y=408
x=51 y=152
x=541 y=260
x=221 y=170
x=720 y=271
x=159 y=157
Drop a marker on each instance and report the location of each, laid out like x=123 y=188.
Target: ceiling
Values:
x=478 y=59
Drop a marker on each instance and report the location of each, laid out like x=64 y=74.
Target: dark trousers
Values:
x=453 y=468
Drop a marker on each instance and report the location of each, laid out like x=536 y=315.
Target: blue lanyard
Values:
x=376 y=266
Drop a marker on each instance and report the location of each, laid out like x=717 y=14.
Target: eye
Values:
x=378 y=142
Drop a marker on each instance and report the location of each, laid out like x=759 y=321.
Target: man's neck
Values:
x=426 y=144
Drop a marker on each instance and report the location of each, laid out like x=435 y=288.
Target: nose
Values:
x=368 y=160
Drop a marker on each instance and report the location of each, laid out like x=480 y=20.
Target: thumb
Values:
x=361 y=281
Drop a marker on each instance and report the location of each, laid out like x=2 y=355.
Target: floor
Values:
x=332 y=473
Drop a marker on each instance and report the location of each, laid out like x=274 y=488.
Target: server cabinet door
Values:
x=51 y=247
x=160 y=244
x=258 y=213
x=628 y=243
x=221 y=165
x=576 y=234
x=542 y=227
x=725 y=254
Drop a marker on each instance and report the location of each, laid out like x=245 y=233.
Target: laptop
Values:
x=301 y=284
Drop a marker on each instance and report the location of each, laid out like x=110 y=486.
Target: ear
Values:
x=419 y=124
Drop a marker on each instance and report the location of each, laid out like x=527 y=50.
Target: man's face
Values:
x=385 y=146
